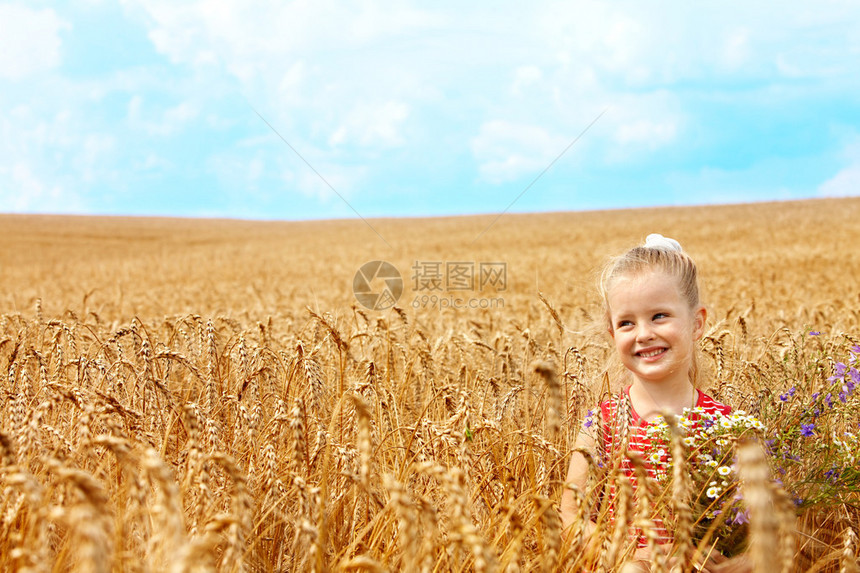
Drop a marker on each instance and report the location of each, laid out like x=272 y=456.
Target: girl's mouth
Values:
x=651 y=353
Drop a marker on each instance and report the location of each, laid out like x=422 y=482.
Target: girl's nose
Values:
x=644 y=332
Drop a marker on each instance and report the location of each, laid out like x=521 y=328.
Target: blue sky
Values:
x=150 y=107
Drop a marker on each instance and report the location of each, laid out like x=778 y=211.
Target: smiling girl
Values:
x=655 y=318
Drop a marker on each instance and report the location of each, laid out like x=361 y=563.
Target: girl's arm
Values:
x=577 y=475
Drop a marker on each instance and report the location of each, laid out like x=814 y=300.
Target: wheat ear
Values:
x=764 y=522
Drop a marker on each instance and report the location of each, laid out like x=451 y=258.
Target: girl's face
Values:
x=653 y=326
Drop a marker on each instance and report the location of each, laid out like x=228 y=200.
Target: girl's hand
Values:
x=716 y=563
x=719 y=564
x=641 y=561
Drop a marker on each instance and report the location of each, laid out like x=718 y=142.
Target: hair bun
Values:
x=658 y=241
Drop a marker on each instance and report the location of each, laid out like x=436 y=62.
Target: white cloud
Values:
x=49 y=159
x=736 y=48
x=631 y=43
x=373 y=125
x=30 y=42
x=166 y=122
x=525 y=76
x=646 y=131
x=843 y=184
x=324 y=67
x=846 y=182
x=153 y=162
x=507 y=151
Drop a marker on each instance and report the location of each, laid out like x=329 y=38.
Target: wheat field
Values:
x=208 y=395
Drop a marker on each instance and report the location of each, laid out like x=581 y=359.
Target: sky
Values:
x=322 y=109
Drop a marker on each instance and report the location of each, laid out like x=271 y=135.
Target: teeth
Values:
x=650 y=354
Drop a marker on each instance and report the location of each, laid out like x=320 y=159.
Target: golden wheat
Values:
x=208 y=396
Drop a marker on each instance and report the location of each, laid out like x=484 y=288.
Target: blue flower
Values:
x=807 y=430
x=741 y=517
x=832 y=475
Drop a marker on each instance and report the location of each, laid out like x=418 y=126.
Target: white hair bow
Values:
x=658 y=241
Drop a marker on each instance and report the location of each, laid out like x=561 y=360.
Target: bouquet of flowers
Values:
x=817 y=440
x=711 y=442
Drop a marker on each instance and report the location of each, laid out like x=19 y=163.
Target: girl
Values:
x=654 y=317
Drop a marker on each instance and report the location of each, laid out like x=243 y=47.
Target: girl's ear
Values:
x=699 y=319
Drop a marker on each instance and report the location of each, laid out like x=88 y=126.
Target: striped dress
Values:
x=612 y=437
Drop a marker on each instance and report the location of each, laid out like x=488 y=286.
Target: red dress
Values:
x=638 y=441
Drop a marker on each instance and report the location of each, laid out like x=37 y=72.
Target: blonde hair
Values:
x=658 y=253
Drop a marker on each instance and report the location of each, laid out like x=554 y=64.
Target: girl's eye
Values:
x=660 y=315
x=623 y=323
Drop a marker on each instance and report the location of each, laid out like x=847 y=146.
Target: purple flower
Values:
x=843 y=397
x=840 y=369
x=791 y=392
x=589 y=419
x=807 y=430
x=832 y=475
x=855 y=348
x=855 y=375
x=741 y=517
x=814 y=332
x=815 y=396
x=829 y=400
